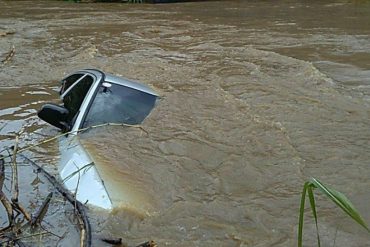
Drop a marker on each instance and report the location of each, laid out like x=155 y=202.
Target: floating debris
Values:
x=3 y=34
x=9 y=56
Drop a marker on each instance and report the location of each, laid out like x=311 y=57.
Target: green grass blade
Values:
x=301 y=213
x=342 y=201
x=313 y=207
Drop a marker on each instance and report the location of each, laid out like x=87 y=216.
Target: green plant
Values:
x=338 y=198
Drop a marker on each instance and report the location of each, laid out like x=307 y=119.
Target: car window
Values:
x=119 y=104
x=67 y=82
x=74 y=98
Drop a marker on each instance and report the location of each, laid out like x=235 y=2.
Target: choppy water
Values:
x=257 y=97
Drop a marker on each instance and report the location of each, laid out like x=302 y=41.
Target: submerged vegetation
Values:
x=338 y=198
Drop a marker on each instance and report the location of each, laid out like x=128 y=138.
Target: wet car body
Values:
x=90 y=98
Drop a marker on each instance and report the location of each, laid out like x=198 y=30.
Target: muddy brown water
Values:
x=257 y=97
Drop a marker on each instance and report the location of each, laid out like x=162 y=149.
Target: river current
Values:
x=256 y=98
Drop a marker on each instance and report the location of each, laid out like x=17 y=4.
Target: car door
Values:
x=76 y=168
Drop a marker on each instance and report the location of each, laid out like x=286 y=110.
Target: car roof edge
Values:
x=123 y=81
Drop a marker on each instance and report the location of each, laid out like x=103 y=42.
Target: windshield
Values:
x=119 y=104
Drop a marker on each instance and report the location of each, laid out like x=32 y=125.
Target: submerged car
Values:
x=91 y=97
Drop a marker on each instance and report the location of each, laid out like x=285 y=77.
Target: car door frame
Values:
x=98 y=78
x=76 y=167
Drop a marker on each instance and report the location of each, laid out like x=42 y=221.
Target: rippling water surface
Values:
x=256 y=98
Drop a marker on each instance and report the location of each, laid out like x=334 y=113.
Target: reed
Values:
x=338 y=198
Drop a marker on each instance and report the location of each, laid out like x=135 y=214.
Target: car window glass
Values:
x=67 y=82
x=119 y=104
x=74 y=98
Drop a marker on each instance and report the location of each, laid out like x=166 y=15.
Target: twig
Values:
x=75 y=195
x=39 y=216
x=12 y=238
x=32 y=235
x=60 y=237
x=15 y=188
x=112 y=241
x=6 y=203
x=20 y=243
x=9 y=238
x=9 y=56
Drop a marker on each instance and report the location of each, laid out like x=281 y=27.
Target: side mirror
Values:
x=55 y=115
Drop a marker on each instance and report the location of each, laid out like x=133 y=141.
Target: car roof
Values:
x=123 y=81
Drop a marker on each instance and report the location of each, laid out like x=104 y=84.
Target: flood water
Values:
x=256 y=98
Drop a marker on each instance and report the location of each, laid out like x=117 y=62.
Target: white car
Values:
x=91 y=97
